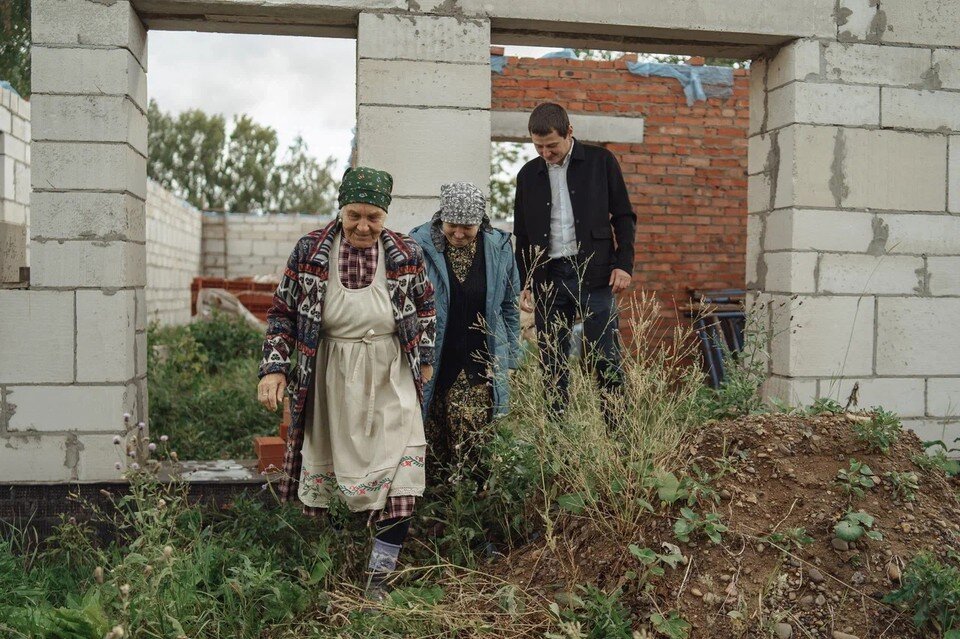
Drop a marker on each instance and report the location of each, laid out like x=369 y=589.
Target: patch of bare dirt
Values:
x=776 y=473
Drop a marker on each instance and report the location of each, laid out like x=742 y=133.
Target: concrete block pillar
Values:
x=423 y=106
x=79 y=331
x=853 y=248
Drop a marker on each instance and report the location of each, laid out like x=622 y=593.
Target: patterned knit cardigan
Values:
x=295 y=317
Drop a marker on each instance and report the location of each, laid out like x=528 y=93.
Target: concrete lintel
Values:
x=511 y=126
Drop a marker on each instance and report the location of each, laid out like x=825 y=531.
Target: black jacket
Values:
x=601 y=212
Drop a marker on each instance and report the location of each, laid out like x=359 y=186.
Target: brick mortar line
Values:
x=99 y=94
x=96 y=47
x=864 y=252
x=93 y=143
x=864 y=210
x=103 y=191
x=485 y=63
x=945 y=133
x=110 y=240
x=421 y=107
x=886 y=296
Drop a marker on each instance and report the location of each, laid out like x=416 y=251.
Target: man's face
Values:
x=460 y=235
x=362 y=223
x=554 y=147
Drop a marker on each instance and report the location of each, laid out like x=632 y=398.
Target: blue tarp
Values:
x=497 y=62
x=566 y=54
x=9 y=87
x=699 y=83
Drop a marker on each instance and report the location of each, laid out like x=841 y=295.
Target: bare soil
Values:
x=780 y=474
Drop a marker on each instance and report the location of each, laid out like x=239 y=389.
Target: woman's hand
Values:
x=426 y=372
x=270 y=390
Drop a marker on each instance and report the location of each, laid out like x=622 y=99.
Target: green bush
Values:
x=931 y=591
x=202 y=388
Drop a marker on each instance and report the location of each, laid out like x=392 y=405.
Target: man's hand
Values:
x=619 y=280
x=270 y=390
x=526 y=301
x=426 y=372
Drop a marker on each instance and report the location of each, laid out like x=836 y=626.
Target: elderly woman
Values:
x=356 y=304
x=473 y=268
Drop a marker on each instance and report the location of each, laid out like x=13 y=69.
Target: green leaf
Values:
x=876 y=535
x=572 y=502
x=668 y=488
x=861 y=517
x=645 y=555
x=847 y=530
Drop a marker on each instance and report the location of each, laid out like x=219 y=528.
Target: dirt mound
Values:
x=773 y=476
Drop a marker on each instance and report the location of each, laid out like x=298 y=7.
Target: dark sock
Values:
x=393 y=531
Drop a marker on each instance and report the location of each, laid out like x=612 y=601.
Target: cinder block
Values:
x=21 y=183
x=6 y=118
x=83 y=166
x=789 y=391
x=870 y=274
x=15 y=213
x=391 y=138
x=928 y=430
x=917 y=336
x=921 y=110
x=872 y=64
x=141 y=354
x=408 y=213
x=754 y=252
x=946 y=63
x=97 y=458
x=265 y=248
x=922 y=22
x=758 y=153
x=822 y=336
x=922 y=234
x=808 y=161
x=13 y=251
x=789 y=272
x=433 y=38
x=840 y=104
x=62 y=408
x=88 y=264
x=901 y=395
x=758 y=96
x=758 y=193
x=91 y=118
x=88 y=71
x=860 y=20
x=944 y=275
x=237 y=247
x=7 y=180
x=953 y=178
x=36 y=336
x=892 y=170
x=78 y=22
x=799 y=60
x=105 y=336
x=13 y=147
x=943 y=396
x=803 y=230
x=32 y=458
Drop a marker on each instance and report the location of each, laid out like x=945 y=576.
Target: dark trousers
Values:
x=558 y=302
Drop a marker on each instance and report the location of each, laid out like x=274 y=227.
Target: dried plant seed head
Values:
x=98 y=574
x=125 y=590
x=167 y=552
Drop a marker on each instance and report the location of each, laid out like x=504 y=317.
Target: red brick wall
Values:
x=687 y=180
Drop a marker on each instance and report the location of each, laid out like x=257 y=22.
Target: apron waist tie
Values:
x=368 y=340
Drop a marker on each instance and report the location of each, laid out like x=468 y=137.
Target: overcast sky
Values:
x=298 y=86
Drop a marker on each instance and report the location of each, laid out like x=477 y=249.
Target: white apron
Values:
x=363 y=439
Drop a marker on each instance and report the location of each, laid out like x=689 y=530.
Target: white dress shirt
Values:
x=563 y=235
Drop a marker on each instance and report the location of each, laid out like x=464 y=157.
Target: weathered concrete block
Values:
x=140 y=299
x=6 y=118
x=21 y=183
x=35 y=458
x=13 y=147
x=7 y=180
x=407 y=213
x=944 y=273
x=803 y=230
x=758 y=95
x=81 y=166
x=14 y=213
x=758 y=152
x=946 y=67
x=922 y=22
x=265 y=248
x=840 y=104
x=807 y=164
x=13 y=251
x=789 y=391
x=789 y=272
x=105 y=336
x=953 y=178
x=890 y=170
x=758 y=193
x=61 y=408
x=390 y=137
x=928 y=430
x=871 y=64
x=921 y=110
x=799 y=60
x=943 y=396
x=901 y=395
x=434 y=38
x=754 y=254
x=140 y=339
x=871 y=275
x=237 y=247
x=860 y=20
x=97 y=458
x=88 y=71
x=916 y=336
x=91 y=118
x=36 y=336
x=78 y=22
x=921 y=234
x=826 y=337
x=87 y=264
x=403 y=82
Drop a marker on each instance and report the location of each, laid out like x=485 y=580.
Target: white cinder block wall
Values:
x=14 y=185
x=173 y=255
x=854 y=212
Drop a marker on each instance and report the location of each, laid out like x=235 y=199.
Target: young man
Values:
x=574 y=230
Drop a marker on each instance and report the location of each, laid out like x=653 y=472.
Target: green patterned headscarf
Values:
x=366 y=185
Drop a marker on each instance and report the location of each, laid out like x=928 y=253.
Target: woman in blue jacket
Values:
x=477 y=286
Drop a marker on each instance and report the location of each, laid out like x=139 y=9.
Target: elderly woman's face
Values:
x=460 y=234
x=362 y=223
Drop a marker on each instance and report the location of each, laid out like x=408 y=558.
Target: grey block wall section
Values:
x=423 y=106
x=14 y=185
x=77 y=336
x=854 y=232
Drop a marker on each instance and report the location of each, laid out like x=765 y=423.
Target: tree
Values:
x=503 y=166
x=15 y=44
x=193 y=155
